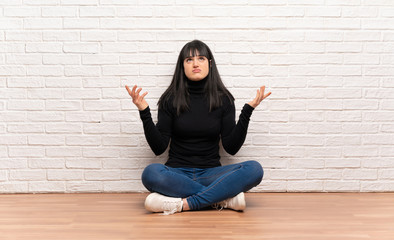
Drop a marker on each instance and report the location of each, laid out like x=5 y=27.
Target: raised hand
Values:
x=259 y=97
x=138 y=99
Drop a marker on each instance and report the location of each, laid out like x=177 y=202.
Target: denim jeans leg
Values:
x=225 y=182
x=172 y=182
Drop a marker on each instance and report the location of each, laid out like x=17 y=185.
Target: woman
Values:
x=195 y=112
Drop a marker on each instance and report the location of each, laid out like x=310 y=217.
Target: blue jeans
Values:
x=202 y=187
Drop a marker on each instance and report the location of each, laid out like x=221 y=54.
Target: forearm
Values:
x=234 y=141
x=157 y=141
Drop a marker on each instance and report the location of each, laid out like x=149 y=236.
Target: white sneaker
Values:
x=236 y=203
x=156 y=202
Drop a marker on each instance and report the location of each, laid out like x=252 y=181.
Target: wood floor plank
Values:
x=295 y=216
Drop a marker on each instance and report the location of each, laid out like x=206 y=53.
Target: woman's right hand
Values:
x=138 y=99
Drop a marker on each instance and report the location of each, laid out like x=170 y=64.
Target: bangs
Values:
x=195 y=48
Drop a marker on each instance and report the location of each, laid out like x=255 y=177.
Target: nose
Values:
x=195 y=62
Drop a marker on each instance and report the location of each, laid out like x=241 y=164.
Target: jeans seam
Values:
x=217 y=182
x=240 y=166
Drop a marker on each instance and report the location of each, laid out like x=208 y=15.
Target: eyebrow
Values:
x=195 y=56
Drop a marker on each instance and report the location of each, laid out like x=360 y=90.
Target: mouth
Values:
x=197 y=70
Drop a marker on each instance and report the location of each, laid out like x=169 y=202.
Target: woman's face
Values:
x=196 y=68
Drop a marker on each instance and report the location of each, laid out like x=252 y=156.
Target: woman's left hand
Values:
x=259 y=97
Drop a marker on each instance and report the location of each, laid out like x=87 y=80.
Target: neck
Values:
x=196 y=86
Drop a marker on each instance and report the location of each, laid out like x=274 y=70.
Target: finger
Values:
x=257 y=96
x=138 y=91
x=128 y=90
x=266 y=95
x=133 y=91
x=143 y=95
x=262 y=89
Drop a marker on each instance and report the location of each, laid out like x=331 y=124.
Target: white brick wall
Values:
x=68 y=125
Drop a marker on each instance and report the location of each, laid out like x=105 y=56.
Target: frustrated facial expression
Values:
x=196 y=68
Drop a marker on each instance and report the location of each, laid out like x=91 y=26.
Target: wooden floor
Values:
x=303 y=216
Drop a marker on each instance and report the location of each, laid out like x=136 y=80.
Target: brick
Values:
x=12 y=94
x=329 y=174
x=62 y=35
x=25 y=128
x=343 y=140
x=63 y=152
x=65 y=175
x=360 y=151
x=344 y=94
x=96 y=12
x=352 y=174
x=61 y=59
x=45 y=71
x=46 y=116
x=302 y=186
x=93 y=117
x=50 y=187
x=12 y=71
x=59 y=11
x=131 y=174
x=324 y=105
x=85 y=71
x=14 y=187
x=102 y=175
x=31 y=105
x=306 y=164
x=79 y=2
x=287 y=128
x=301 y=116
x=61 y=105
x=341 y=186
x=11 y=24
x=14 y=163
x=84 y=163
x=291 y=152
x=269 y=140
x=123 y=186
x=24 y=36
x=363 y=12
x=63 y=82
x=43 y=23
x=101 y=128
x=46 y=163
x=81 y=23
x=384 y=128
x=343 y=163
x=148 y=11
x=13 y=140
x=343 y=116
x=83 y=187
x=12 y=116
x=376 y=186
x=46 y=140
x=28 y=175
x=63 y=128
x=324 y=152
x=306 y=141
x=121 y=70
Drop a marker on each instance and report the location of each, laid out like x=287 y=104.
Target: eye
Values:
x=202 y=59
x=188 y=60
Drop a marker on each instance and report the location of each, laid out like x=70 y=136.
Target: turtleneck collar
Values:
x=196 y=87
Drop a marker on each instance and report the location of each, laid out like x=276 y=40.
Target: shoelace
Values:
x=171 y=207
x=220 y=205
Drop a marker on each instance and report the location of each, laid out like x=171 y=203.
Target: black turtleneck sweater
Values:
x=195 y=134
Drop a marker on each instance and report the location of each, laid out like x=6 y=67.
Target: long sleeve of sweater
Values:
x=233 y=135
x=158 y=136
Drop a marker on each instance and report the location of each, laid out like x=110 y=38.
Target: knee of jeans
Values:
x=150 y=173
x=256 y=170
